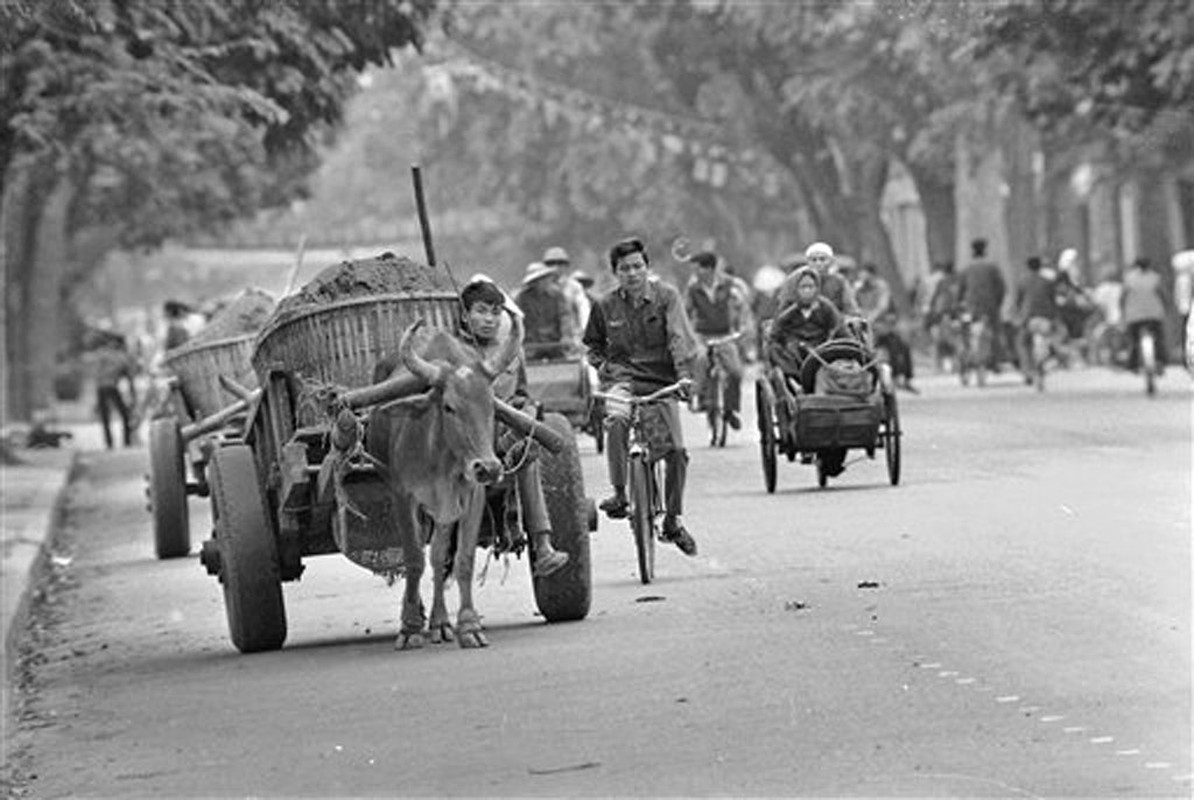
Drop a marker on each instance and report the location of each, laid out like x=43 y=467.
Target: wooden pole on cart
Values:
x=424 y=221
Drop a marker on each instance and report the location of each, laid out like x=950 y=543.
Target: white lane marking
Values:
x=1052 y=718
x=878 y=640
x=932 y=665
x=1183 y=777
x=864 y=633
x=1157 y=765
x=1008 y=698
x=1029 y=709
x=1074 y=729
x=965 y=681
x=1102 y=739
x=947 y=673
x=1129 y=752
x=1067 y=509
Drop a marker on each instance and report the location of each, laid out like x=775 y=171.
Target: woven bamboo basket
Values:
x=199 y=365
x=340 y=343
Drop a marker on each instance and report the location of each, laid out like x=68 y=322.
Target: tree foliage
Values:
x=171 y=117
x=144 y=119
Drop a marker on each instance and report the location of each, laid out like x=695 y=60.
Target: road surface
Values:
x=1013 y=620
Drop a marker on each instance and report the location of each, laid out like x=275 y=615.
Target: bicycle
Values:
x=977 y=342
x=1147 y=345
x=715 y=389
x=1040 y=350
x=644 y=477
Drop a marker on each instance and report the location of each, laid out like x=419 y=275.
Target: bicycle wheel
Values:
x=767 y=438
x=891 y=438
x=642 y=516
x=1148 y=362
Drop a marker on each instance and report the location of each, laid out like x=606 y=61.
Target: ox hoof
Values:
x=441 y=632
x=469 y=632
x=409 y=641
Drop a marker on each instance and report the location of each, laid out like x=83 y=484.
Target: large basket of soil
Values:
x=199 y=365
x=336 y=329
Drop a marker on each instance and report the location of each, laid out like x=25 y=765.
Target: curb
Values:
x=27 y=576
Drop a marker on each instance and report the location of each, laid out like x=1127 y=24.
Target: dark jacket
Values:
x=648 y=344
x=982 y=289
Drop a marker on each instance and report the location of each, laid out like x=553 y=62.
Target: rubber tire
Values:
x=822 y=475
x=767 y=442
x=642 y=517
x=168 y=489
x=1148 y=364
x=249 y=568
x=891 y=438
x=566 y=594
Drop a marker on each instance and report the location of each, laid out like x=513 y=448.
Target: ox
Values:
x=438 y=450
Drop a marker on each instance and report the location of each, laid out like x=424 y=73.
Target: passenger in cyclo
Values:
x=484 y=305
x=717 y=307
x=550 y=327
x=795 y=334
x=640 y=341
x=834 y=285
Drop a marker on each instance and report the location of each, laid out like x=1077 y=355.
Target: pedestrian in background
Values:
x=113 y=364
x=981 y=290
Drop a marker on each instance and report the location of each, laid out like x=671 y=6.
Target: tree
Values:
x=128 y=122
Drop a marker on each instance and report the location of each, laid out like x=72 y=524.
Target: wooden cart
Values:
x=274 y=500
x=204 y=378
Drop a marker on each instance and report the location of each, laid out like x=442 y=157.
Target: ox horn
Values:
x=498 y=362
x=414 y=362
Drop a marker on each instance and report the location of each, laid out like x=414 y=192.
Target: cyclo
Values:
x=646 y=448
x=842 y=398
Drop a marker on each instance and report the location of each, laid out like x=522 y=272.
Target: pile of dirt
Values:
x=385 y=274
x=245 y=314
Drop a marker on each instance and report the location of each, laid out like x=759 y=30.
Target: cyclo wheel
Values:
x=891 y=437
x=249 y=568
x=767 y=440
x=168 y=489
x=822 y=473
x=642 y=515
x=566 y=594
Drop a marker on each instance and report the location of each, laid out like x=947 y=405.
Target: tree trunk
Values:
x=1022 y=208
x=35 y=258
x=941 y=216
x=871 y=178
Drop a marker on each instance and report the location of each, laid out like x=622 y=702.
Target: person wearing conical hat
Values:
x=550 y=330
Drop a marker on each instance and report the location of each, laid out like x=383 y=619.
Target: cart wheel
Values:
x=767 y=443
x=642 y=517
x=248 y=553
x=168 y=489
x=566 y=594
x=822 y=475
x=891 y=437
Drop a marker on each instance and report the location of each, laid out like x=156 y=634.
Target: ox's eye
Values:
x=449 y=408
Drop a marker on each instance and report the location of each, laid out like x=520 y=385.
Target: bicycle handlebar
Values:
x=662 y=394
x=725 y=339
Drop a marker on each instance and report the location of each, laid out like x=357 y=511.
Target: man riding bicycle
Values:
x=717 y=308
x=1144 y=301
x=1035 y=312
x=640 y=340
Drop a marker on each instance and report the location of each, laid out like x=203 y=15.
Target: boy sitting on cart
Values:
x=483 y=304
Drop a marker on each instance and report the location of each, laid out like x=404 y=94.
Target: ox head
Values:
x=462 y=397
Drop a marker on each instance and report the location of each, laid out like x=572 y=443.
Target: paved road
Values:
x=1013 y=620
